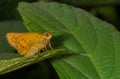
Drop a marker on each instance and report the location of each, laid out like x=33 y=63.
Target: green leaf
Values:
x=94 y=45
x=8 y=65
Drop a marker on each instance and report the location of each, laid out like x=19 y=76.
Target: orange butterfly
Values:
x=28 y=44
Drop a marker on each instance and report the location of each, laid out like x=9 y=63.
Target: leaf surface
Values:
x=93 y=43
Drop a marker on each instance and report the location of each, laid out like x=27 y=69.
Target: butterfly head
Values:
x=48 y=35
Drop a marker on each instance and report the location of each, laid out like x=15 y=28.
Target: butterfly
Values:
x=29 y=43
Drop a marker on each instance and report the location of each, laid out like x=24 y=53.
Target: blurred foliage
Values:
x=8 y=9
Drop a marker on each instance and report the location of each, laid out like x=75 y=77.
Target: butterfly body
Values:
x=28 y=44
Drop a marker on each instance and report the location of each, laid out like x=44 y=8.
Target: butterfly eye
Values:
x=47 y=35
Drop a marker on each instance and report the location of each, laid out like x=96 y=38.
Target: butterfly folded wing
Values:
x=12 y=37
x=34 y=49
x=28 y=44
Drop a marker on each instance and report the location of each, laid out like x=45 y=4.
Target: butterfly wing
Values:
x=32 y=50
x=29 y=44
x=12 y=37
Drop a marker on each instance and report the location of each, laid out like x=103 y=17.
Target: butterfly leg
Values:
x=50 y=46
